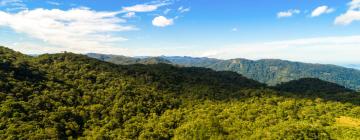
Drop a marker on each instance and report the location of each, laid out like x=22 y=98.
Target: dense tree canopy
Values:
x=71 y=96
x=311 y=85
x=269 y=71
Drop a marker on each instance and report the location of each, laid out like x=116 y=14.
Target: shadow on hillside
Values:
x=343 y=97
x=204 y=83
x=23 y=72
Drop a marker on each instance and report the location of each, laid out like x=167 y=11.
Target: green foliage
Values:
x=311 y=85
x=70 y=96
x=124 y=60
x=269 y=71
x=273 y=72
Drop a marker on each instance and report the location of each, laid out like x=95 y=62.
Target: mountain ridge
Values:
x=269 y=71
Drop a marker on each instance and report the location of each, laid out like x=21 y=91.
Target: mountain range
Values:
x=73 y=96
x=268 y=71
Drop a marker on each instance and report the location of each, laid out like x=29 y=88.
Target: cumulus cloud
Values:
x=351 y=15
x=288 y=13
x=161 y=21
x=76 y=30
x=321 y=10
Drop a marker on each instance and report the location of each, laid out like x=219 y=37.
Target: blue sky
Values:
x=318 y=31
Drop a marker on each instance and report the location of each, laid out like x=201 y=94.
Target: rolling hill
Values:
x=269 y=71
x=124 y=60
x=311 y=85
x=72 y=96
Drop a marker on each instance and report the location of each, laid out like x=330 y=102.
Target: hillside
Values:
x=71 y=96
x=269 y=71
x=311 y=85
x=272 y=71
x=124 y=60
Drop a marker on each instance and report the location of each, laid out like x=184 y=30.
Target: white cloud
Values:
x=181 y=9
x=9 y=2
x=321 y=10
x=354 y=4
x=288 y=13
x=13 y=5
x=351 y=15
x=76 y=30
x=130 y=15
x=53 y=3
x=335 y=50
x=234 y=29
x=161 y=21
x=143 y=7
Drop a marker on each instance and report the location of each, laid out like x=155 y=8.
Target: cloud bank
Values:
x=336 y=50
x=77 y=30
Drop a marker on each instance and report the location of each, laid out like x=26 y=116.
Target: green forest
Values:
x=73 y=96
x=269 y=71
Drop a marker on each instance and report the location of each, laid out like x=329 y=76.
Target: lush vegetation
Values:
x=311 y=85
x=70 y=96
x=124 y=60
x=271 y=72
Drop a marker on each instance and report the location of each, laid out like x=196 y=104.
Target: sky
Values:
x=316 y=31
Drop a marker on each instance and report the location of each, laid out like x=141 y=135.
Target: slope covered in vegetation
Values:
x=124 y=60
x=269 y=71
x=311 y=85
x=63 y=96
x=273 y=71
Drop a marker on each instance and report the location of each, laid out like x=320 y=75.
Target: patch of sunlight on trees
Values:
x=348 y=122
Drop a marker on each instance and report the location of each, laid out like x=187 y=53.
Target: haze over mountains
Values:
x=355 y=66
x=269 y=71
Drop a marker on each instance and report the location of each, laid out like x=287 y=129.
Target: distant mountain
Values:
x=273 y=71
x=124 y=60
x=269 y=71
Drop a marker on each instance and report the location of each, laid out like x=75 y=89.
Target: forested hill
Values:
x=124 y=60
x=269 y=71
x=311 y=85
x=71 y=96
x=273 y=71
